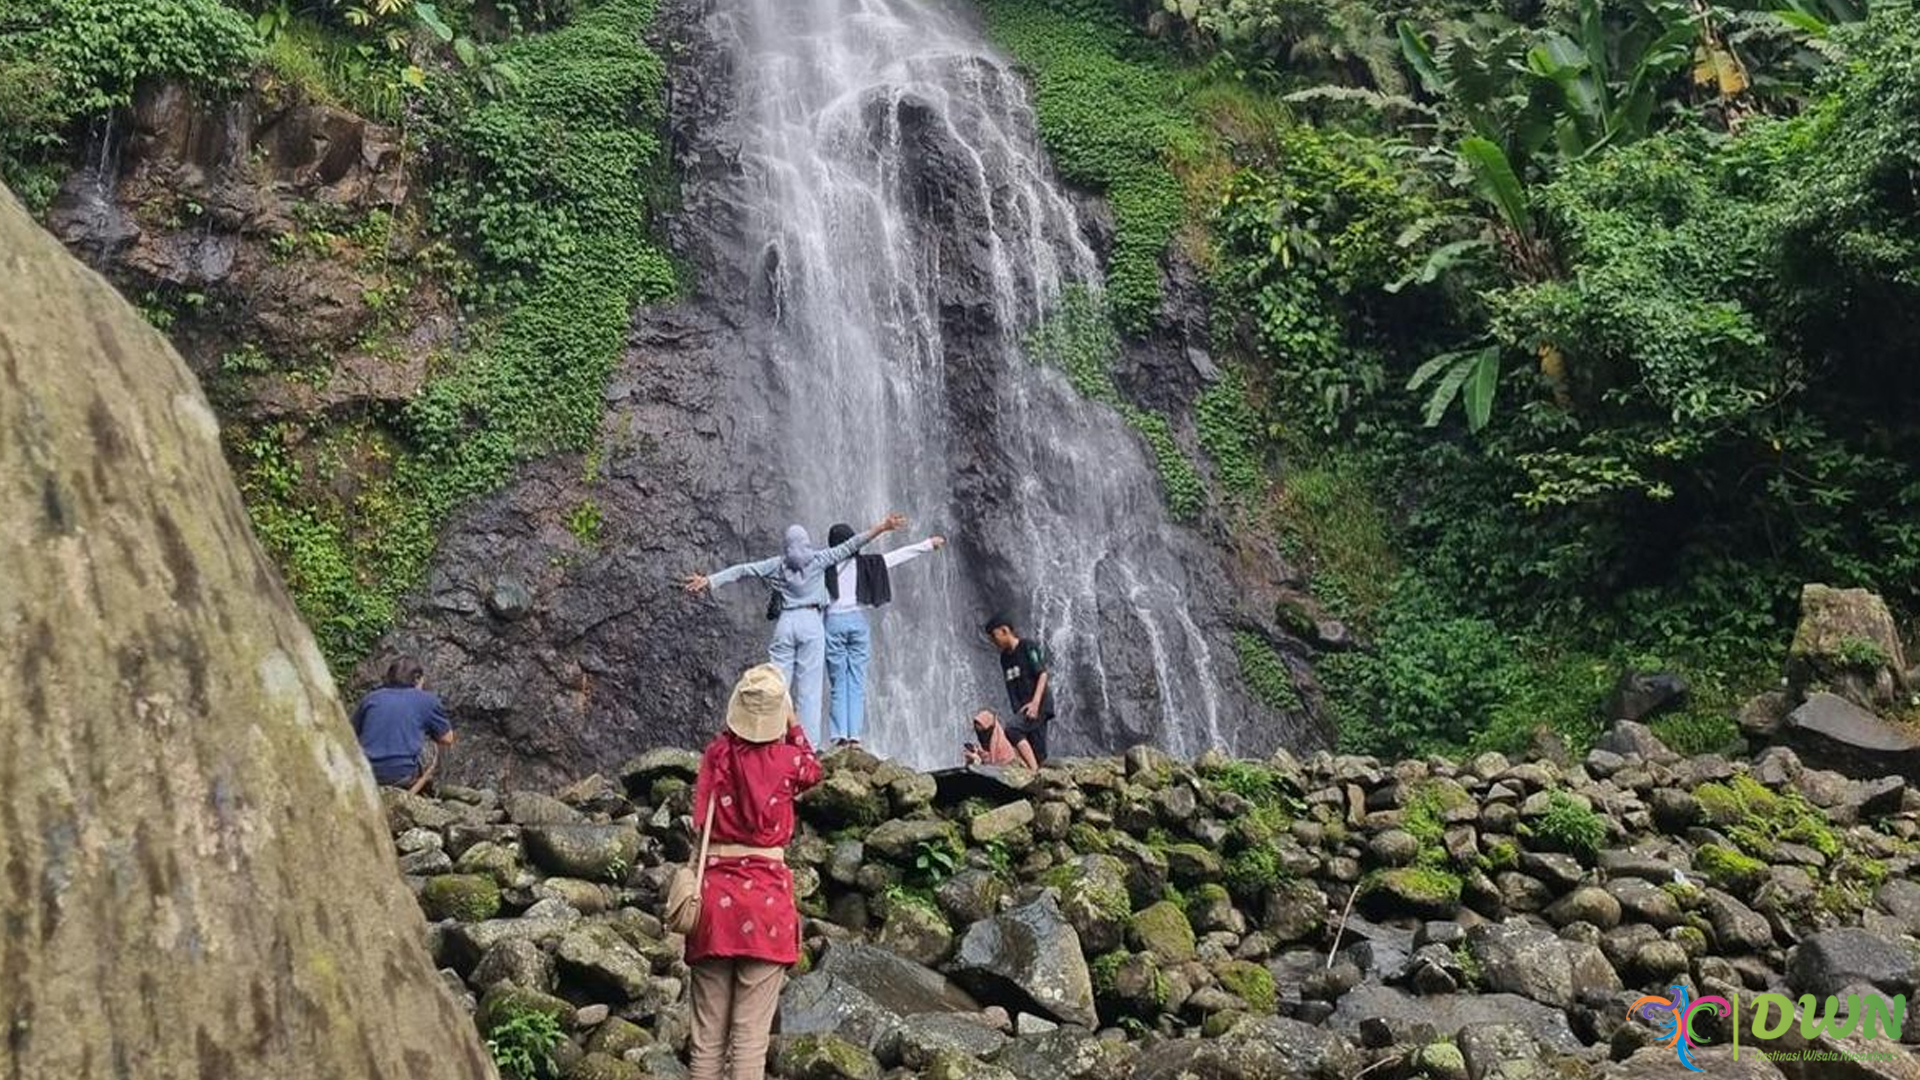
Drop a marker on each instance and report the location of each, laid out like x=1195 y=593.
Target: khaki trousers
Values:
x=734 y=1001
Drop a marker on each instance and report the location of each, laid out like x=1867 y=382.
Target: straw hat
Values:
x=759 y=707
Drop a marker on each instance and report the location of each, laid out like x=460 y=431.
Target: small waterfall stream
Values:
x=904 y=234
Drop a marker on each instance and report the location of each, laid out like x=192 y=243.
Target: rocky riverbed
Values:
x=1137 y=916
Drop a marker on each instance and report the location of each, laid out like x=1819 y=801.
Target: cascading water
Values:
x=903 y=234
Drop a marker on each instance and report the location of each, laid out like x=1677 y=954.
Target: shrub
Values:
x=1571 y=826
x=522 y=1044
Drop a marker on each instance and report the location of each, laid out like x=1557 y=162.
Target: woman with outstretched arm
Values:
x=798 y=576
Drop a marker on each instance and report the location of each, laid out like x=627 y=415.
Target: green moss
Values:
x=1429 y=887
x=1111 y=124
x=1163 y=930
x=1232 y=435
x=1104 y=969
x=467 y=897
x=1859 y=652
x=1501 y=854
x=1264 y=673
x=1254 y=870
x=1087 y=840
x=1251 y=983
x=1078 y=338
x=1759 y=819
x=1729 y=869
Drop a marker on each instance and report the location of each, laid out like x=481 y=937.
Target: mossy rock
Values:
x=1094 y=899
x=1411 y=890
x=1191 y=864
x=504 y=1001
x=1251 y=983
x=825 y=1056
x=1130 y=984
x=1084 y=839
x=1251 y=872
x=1731 y=870
x=467 y=897
x=1164 y=931
x=842 y=801
x=616 y=1036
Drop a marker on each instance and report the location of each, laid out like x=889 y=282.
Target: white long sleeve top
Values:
x=845 y=583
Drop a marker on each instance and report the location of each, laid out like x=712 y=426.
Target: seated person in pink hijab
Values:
x=992 y=746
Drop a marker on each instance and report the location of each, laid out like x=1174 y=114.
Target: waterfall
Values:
x=900 y=233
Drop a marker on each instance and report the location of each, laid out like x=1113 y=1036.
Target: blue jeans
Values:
x=799 y=650
x=849 y=648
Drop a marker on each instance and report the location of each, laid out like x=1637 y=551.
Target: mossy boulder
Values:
x=995 y=824
x=843 y=800
x=1847 y=642
x=917 y=930
x=592 y=852
x=616 y=1036
x=497 y=861
x=467 y=897
x=1411 y=890
x=1164 y=931
x=1251 y=983
x=1729 y=869
x=1132 y=984
x=1191 y=864
x=825 y=1057
x=1094 y=898
x=899 y=840
x=504 y=1001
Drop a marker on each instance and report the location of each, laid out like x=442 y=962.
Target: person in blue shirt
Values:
x=394 y=723
x=798 y=578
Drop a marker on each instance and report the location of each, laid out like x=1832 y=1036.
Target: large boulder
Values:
x=1847 y=643
x=906 y=987
x=1830 y=732
x=1663 y=1063
x=1829 y=962
x=1448 y=1014
x=1068 y=1054
x=824 y=1056
x=899 y=840
x=1523 y=959
x=1094 y=898
x=1263 y=1048
x=1029 y=959
x=595 y=957
x=592 y=852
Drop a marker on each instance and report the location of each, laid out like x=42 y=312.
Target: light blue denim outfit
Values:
x=799 y=644
x=850 y=647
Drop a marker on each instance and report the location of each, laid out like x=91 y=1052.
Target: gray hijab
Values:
x=799 y=548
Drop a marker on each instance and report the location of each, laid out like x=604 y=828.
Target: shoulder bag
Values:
x=683 y=892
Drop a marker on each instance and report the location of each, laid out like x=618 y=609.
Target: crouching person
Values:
x=394 y=723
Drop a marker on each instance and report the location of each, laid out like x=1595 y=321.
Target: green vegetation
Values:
x=1571 y=826
x=522 y=1044
x=1573 y=307
x=547 y=187
x=65 y=61
x=1265 y=673
x=1251 y=983
x=1729 y=869
x=1078 y=338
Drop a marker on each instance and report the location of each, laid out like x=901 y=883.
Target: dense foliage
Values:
x=1583 y=310
x=538 y=124
x=548 y=187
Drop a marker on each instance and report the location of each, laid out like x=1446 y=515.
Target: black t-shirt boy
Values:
x=1024 y=664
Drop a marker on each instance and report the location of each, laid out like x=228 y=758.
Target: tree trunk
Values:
x=197 y=878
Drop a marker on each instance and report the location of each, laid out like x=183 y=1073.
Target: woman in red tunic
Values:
x=749 y=929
